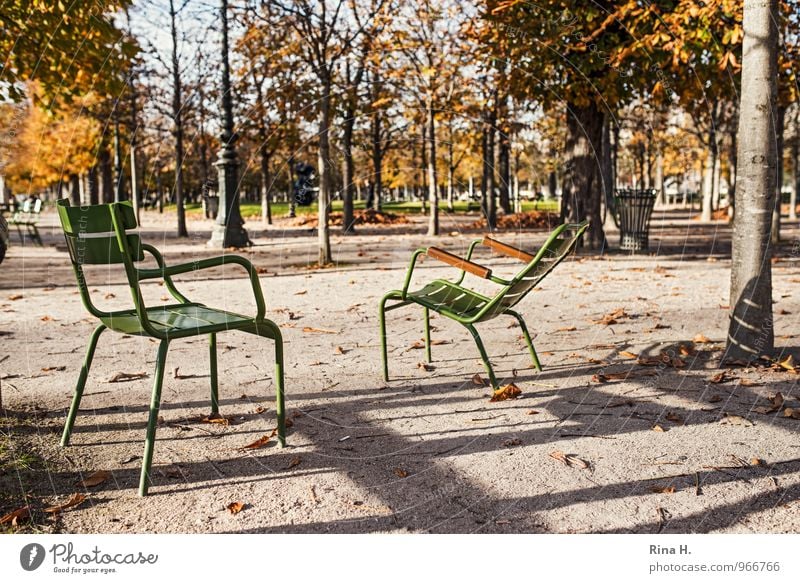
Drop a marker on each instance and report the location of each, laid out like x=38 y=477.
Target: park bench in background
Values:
x=99 y=235
x=468 y=307
x=28 y=216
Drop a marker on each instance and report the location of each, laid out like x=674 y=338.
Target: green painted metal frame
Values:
x=549 y=255
x=98 y=234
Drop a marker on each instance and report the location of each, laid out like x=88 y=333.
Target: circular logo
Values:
x=31 y=556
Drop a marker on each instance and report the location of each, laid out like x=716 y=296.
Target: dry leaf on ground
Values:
x=509 y=391
x=622 y=376
x=235 y=507
x=729 y=419
x=478 y=380
x=75 y=500
x=664 y=489
x=15 y=516
x=122 y=377
x=400 y=473
x=569 y=460
x=94 y=479
x=295 y=461
x=426 y=366
x=319 y=330
x=627 y=354
x=791 y=413
x=718 y=378
x=260 y=442
x=701 y=339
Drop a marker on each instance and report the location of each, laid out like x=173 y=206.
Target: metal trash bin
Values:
x=210 y=206
x=634 y=207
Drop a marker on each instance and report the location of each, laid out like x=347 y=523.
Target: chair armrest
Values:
x=164 y=272
x=458 y=262
x=507 y=250
x=173 y=291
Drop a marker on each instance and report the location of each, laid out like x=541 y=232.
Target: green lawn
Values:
x=251 y=209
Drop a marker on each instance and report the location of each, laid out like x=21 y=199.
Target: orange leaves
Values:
x=510 y=391
x=76 y=500
x=570 y=460
x=16 y=516
x=94 y=479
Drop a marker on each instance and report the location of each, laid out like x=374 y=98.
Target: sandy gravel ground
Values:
x=426 y=452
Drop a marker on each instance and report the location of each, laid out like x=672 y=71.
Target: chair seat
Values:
x=178 y=320
x=447 y=298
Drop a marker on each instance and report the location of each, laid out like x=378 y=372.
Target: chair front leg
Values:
x=212 y=357
x=384 y=353
x=76 y=398
x=528 y=341
x=428 y=334
x=484 y=356
x=269 y=329
x=155 y=404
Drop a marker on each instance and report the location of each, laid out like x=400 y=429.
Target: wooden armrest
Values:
x=508 y=250
x=456 y=261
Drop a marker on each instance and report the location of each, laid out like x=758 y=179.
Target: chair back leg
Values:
x=212 y=358
x=155 y=404
x=428 y=334
x=534 y=356
x=384 y=354
x=280 y=411
x=76 y=398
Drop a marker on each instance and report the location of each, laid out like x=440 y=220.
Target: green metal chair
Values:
x=468 y=307
x=98 y=235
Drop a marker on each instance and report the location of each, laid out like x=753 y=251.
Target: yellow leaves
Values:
x=510 y=391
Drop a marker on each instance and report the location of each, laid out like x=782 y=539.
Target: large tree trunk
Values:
x=582 y=186
x=433 y=191
x=775 y=230
x=74 y=190
x=106 y=175
x=377 y=161
x=177 y=118
x=324 y=162
x=750 y=333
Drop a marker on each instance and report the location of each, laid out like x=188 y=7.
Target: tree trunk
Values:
x=775 y=230
x=177 y=118
x=733 y=162
x=504 y=168
x=324 y=161
x=708 y=183
x=488 y=181
x=433 y=191
x=450 y=170
x=266 y=187
x=750 y=333
x=377 y=160
x=795 y=173
x=607 y=170
x=106 y=175
x=348 y=172
x=582 y=177
x=74 y=190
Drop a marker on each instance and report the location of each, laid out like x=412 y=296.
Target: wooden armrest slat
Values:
x=456 y=261
x=508 y=250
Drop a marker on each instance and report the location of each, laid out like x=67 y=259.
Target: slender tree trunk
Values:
x=450 y=170
x=324 y=162
x=733 y=161
x=504 y=169
x=708 y=184
x=266 y=186
x=775 y=230
x=750 y=333
x=74 y=190
x=607 y=170
x=92 y=186
x=348 y=172
x=795 y=174
x=106 y=175
x=433 y=191
x=377 y=160
x=582 y=188
x=177 y=118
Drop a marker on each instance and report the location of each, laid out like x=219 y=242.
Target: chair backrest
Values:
x=559 y=244
x=97 y=235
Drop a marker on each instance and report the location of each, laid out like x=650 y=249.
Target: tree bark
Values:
x=582 y=177
x=177 y=118
x=324 y=162
x=433 y=191
x=377 y=161
x=504 y=169
x=106 y=175
x=775 y=230
x=795 y=173
x=750 y=333
x=348 y=172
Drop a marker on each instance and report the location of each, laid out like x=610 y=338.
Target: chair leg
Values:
x=384 y=354
x=76 y=398
x=484 y=356
x=155 y=404
x=428 y=334
x=280 y=411
x=528 y=341
x=212 y=357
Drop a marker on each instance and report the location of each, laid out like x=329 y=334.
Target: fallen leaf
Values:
x=510 y=391
x=718 y=378
x=259 y=410
x=426 y=366
x=512 y=442
x=417 y=345
x=340 y=350
x=478 y=380
x=612 y=318
x=215 y=418
x=318 y=330
x=110 y=296
x=122 y=377
x=566 y=329
x=626 y=354
x=54 y=368
x=235 y=507
x=260 y=442
x=714 y=398
x=295 y=461
x=701 y=339
x=15 y=516
x=531 y=412
x=76 y=499
x=301 y=293
x=664 y=489
x=658 y=428
x=95 y=479
x=791 y=413
x=788 y=364
x=729 y=419
x=621 y=376
x=48 y=319
x=569 y=460
x=685 y=350
x=754 y=461
x=675 y=418
x=15 y=297
x=400 y=473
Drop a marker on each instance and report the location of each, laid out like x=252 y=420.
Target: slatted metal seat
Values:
x=101 y=235
x=468 y=307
